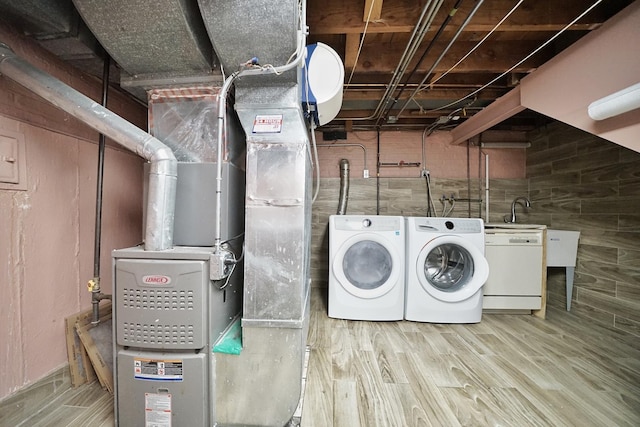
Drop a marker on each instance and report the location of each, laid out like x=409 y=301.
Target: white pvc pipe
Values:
x=486 y=186
x=615 y=104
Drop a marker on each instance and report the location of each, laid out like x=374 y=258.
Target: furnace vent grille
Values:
x=158 y=299
x=141 y=334
x=169 y=313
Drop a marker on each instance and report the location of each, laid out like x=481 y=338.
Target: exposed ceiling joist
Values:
x=372 y=10
x=399 y=16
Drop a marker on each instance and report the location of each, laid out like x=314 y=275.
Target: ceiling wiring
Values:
x=425 y=20
x=444 y=52
x=542 y=46
x=513 y=9
x=436 y=37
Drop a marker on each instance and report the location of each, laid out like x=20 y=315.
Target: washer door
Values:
x=367 y=265
x=451 y=269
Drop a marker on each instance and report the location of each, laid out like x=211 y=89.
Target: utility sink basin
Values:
x=562 y=248
x=562 y=251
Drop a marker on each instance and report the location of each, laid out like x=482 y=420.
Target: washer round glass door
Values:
x=451 y=269
x=367 y=265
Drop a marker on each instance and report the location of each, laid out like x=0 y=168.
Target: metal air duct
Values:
x=262 y=29
x=275 y=314
x=163 y=176
x=158 y=43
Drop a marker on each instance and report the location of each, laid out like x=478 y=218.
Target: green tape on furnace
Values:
x=231 y=340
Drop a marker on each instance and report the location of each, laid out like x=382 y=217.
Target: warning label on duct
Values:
x=157 y=410
x=157 y=370
x=271 y=123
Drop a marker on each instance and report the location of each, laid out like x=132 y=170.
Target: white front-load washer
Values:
x=446 y=269
x=366 y=267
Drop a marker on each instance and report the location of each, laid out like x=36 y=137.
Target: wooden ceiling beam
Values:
x=372 y=10
x=500 y=110
x=491 y=58
x=450 y=81
x=471 y=28
x=351 y=45
x=439 y=94
x=399 y=16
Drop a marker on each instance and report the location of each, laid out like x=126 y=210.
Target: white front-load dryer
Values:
x=366 y=267
x=446 y=269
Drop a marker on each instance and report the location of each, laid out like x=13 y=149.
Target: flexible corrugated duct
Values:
x=163 y=176
x=344 y=187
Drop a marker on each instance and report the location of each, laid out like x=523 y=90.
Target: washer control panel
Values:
x=457 y=225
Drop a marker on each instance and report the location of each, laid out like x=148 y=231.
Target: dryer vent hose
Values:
x=344 y=187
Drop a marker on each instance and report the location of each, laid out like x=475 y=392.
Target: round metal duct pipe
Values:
x=164 y=166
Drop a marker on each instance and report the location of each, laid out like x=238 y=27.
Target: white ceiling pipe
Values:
x=164 y=167
x=615 y=104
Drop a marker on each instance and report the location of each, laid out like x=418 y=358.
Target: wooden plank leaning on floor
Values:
x=79 y=364
x=97 y=342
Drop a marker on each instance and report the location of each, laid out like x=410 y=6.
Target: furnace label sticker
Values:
x=267 y=123
x=158 y=370
x=157 y=410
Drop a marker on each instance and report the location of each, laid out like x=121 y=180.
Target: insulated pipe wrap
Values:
x=164 y=166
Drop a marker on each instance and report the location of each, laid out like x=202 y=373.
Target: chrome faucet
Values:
x=526 y=204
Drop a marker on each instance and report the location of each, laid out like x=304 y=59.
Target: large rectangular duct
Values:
x=245 y=29
x=276 y=287
x=277 y=211
x=157 y=43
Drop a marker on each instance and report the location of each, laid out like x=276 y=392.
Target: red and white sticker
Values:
x=157 y=410
x=271 y=123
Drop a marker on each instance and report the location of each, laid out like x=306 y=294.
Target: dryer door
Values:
x=367 y=265
x=451 y=269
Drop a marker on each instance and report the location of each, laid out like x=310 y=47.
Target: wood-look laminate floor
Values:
x=508 y=370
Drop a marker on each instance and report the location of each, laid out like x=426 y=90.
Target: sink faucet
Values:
x=526 y=204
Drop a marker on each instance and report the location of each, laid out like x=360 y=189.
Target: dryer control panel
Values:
x=368 y=223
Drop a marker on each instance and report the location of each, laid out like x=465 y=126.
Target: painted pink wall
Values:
x=47 y=231
x=602 y=62
x=48 y=244
x=443 y=160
